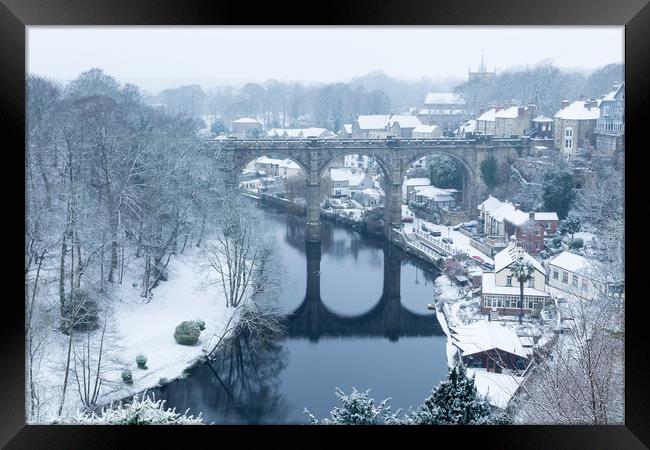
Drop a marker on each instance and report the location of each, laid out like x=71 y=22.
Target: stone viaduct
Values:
x=393 y=155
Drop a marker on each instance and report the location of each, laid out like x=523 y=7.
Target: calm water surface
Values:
x=358 y=318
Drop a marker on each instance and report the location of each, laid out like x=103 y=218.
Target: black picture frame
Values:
x=15 y=15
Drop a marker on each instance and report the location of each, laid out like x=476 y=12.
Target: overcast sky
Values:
x=160 y=57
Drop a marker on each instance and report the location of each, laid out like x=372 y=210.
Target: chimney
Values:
x=521 y=111
x=481 y=110
x=531 y=215
x=517 y=206
x=565 y=103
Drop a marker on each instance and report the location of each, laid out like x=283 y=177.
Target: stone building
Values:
x=610 y=126
x=247 y=127
x=445 y=109
x=482 y=74
x=485 y=122
x=514 y=120
x=574 y=125
x=383 y=125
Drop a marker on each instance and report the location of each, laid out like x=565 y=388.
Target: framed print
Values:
x=244 y=216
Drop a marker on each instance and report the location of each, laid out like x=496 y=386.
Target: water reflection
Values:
x=388 y=318
x=347 y=324
x=241 y=385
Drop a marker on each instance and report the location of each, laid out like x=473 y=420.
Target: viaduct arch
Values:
x=394 y=156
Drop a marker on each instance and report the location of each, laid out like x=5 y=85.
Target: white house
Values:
x=501 y=290
x=575 y=124
x=426 y=132
x=411 y=183
x=485 y=123
x=275 y=167
x=433 y=198
x=574 y=274
x=299 y=133
x=345 y=181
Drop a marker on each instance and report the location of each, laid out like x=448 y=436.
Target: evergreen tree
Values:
x=358 y=409
x=444 y=172
x=570 y=225
x=558 y=192
x=489 y=172
x=454 y=401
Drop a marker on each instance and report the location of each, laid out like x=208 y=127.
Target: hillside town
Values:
x=272 y=244
x=493 y=319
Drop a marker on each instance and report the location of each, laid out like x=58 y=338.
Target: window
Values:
x=574 y=280
x=606 y=111
x=509 y=281
x=568 y=132
x=531 y=282
x=556 y=275
x=568 y=138
x=565 y=277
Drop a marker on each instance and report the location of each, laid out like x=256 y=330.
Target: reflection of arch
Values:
x=388 y=318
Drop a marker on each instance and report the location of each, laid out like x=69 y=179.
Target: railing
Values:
x=332 y=142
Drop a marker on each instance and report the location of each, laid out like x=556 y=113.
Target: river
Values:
x=358 y=319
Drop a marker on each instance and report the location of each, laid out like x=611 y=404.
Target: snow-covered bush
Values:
x=576 y=243
x=358 y=409
x=557 y=241
x=80 y=312
x=141 y=361
x=201 y=324
x=127 y=377
x=187 y=333
x=142 y=411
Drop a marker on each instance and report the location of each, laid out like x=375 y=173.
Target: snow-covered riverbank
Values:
x=137 y=326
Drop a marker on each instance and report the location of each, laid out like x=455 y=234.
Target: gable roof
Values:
x=572 y=262
x=373 y=122
x=482 y=336
x=578 y=111
x=490 y=204
x=404 y=121
x=488 y=116
x=510 y=254
x=508 y=113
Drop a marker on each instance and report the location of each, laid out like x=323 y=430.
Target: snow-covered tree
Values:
x=358 y=408
x=453 y=402
x=142 y=410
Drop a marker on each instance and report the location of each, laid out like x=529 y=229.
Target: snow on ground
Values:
x=461 y=242
x=138 y=327
x=149 y=328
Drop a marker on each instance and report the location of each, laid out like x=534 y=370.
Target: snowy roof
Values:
x=443 y=98
x=345 y=174
x=490 y=204
x=578 y=111
x=508 y=113
x=289 y=164
x=404 y=121
x=246 y=120
x=546 y=216
x=571 y=262
x=499 y=388
x=483 y=335
x=510 y=254
x=371 y=192
x=488 y=116
x=316 y=132
x=424 y=128
x=441 y=195
x=612 y=95
x=489 y=286
x=468 y=127
x=516 y=217
x=373 y=122
x=417 y=182
x=542 y=118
